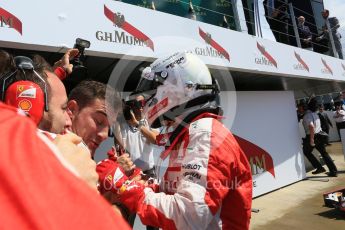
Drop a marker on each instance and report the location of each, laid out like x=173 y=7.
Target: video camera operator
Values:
x=137 y=136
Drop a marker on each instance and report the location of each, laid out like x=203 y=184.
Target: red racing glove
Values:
x=113 y=178
x=131 y=194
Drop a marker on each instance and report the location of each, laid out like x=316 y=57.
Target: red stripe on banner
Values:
x=138 y=34
x=109 y=14
x=214 y=44
x=129 y=28
x=253 y=151
x=300 y=60
x=15 y=22
x=266 y=54
x=327 y=66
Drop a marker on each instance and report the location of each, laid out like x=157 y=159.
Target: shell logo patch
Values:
x=25 y=105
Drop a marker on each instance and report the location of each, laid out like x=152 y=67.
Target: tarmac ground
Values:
x=301 y=205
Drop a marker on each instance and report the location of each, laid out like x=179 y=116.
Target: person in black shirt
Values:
x=325 y=121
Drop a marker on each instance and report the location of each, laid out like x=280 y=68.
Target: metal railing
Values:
x=291 y=30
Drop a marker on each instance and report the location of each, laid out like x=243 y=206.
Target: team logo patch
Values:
x=28 y=93
x=25 y=105
x=109 y=178
x=117 y=175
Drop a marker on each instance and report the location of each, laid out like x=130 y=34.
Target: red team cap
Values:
x=27 y=96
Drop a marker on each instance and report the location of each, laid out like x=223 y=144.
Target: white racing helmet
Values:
x=176 y=86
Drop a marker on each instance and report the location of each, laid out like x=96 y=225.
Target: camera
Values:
x=132 y=106
x=79 y=71
x=78 y=61
x=127 y=112
x=81 y=45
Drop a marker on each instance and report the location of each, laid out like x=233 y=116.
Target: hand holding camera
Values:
x=64 y=62
x=72 y=62
x=129 y=107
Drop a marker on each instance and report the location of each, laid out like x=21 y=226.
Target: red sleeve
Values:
x=37 y=192
x=61 y=73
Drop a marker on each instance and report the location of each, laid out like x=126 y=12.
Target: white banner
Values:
x=115 y=28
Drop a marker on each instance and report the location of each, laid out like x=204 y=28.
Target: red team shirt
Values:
x=37 y=191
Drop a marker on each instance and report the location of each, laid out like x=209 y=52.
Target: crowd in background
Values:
x=281 y=24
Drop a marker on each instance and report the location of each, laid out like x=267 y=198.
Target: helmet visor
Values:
x=149 y=82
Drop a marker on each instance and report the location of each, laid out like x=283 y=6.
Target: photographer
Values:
x=137 y=139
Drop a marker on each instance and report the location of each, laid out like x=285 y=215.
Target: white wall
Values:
x=269 y=120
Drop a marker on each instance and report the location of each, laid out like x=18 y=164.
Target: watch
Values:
x=141 y=123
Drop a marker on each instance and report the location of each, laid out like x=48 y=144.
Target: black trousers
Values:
x=320 y=146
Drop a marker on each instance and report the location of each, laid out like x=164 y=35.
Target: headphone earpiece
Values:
x=25 y=94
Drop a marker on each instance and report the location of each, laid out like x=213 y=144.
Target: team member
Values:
x=91 y=113
x=56 y=118
x=88 y=110
x=197 y=190
x=32 y=86
x=43 y=97
x=54 y=197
